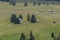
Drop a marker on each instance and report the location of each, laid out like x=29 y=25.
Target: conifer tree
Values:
x=31 y=36
x=22 y=36
x=33 y=19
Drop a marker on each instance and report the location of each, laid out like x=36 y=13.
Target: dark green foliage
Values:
x=2 y=0
x=17 y=21
x=28 y=17
x=25 y=4
x=21 y=16
x=53 y=2
x=52 y=35
x=5 y=0
x=13 y=18
x=38 y=3
x=55 y=38
x=31 y=36
x=34 y=3
x=31 y=33
x=22 y=36
x=13 y=3
x=33 y=19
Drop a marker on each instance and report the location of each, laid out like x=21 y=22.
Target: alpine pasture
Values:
x=41 y=30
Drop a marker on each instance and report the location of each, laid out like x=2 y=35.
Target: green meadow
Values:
x=41 y=30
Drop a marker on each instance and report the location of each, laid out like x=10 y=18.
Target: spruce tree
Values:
x=33 y=19
x=17 y=21
x=34 y=3
x=38 y=3
x=52 y=35
x=25 y=4
x=31 y=36
x=13 y=3
x=13 y=18
x=22 y=36
x=53 y=3
x=21 y=16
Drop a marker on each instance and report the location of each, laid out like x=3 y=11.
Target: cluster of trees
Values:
x=12 y=2
x=54 y=37
x=5 y=0
x=38 y=3
x=31 y=19
x=30 y=0
x=23 y=37
x=34 y=3
x=25 y=4
x=18 y=20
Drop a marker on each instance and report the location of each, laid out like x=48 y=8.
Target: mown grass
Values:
x=41 y=30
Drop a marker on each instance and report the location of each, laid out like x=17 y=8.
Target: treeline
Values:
x=29 y=0
x=5 y=0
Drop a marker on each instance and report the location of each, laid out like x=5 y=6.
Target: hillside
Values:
x=41 y=30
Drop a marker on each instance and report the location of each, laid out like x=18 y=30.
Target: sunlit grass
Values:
x=41 y=30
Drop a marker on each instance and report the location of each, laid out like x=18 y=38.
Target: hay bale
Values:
x=49 y=10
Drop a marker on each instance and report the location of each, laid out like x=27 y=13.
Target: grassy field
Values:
x=41 y=30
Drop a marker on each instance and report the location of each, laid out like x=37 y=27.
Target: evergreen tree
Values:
x=28 y=17
x=25 y=4
x=5 y=0
x=34 y=3
x=22 y=36
x=21 y=16
x=52 y=35
x=13 y=18
x=17 y=21
x=53 y=2
x=38 y=3
x=13 y=3
x=31 y=36
x=33 y=19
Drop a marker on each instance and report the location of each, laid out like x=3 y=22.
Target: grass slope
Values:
x=41 y=30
